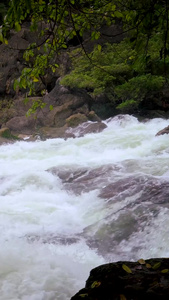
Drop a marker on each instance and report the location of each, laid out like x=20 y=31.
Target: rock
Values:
x=52 y=239
x=6 y=136
x=6 y=141
x=132 y=203
x=16 y=108
x=125 y=280
x=27 y=138
x=76 y=119
x=93 y=117
x=56 y=117
x=163 y=131
x=87 y=127
x=54 y=132
x=5 y=132
x=12 y=61
x=23 y=124
x=83 y=180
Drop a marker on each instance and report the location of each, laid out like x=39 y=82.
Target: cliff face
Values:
x=128 y=280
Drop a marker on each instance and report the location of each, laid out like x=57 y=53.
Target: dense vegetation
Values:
x=128 y=73
x=3 y=9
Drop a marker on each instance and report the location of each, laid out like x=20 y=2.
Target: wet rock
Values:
x=51 y=239
x=130 y=205
x=148 y=187
x=124 y=280
x=84 y=179
x=163 y=131
x=28 y=138
x=55 y=132
x=140 y=203
x=87 y=127
x=6 y=141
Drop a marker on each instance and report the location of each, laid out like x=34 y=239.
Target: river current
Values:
x=67 y=206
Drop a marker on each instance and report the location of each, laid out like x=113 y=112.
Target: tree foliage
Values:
x=141 y=60
x=102 y=69
x=3 y=9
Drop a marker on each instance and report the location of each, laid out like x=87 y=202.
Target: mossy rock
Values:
x=93 y=117
x=76 y=119
x=5 y=133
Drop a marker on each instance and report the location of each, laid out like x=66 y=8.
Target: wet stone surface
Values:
x=124 y=280
x=130 y=204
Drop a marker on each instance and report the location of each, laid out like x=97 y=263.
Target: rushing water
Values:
x=50 y=232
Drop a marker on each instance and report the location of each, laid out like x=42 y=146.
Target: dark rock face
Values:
x=128 y=280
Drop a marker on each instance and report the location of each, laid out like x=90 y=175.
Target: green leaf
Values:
x=95 y=284
x=165 y=271
x=95 y=35
x=122 y=297
x=141 y=261
x=156 y=266
x=118 y=14
x=35 y=79
x=17 y=26
x=148 y=266
x=99 y=47
x=126 y=268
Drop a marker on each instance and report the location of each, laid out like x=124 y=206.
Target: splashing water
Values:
x=45 y=225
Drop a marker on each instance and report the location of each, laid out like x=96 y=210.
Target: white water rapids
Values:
x=34 y=203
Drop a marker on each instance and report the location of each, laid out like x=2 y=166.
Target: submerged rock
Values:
x=80 y=180
x=130 y=206
x=124 y=280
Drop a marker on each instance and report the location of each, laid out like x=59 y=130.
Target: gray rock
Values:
x=163 y=131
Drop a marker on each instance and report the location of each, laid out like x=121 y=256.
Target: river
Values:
x=67 y=206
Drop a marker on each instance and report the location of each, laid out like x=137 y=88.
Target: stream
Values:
x=67 y=206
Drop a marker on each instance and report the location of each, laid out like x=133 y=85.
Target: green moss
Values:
x=8 y=135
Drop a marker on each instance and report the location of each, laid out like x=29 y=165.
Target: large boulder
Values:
x=124 y=280
x=87 y=128
x=22 y=124
x=53 y=132
x=63 y=108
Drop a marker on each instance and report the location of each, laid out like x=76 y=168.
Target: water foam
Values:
x=34 y=206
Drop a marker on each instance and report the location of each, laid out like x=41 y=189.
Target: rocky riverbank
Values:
x=63 y=109
x=60 y=108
